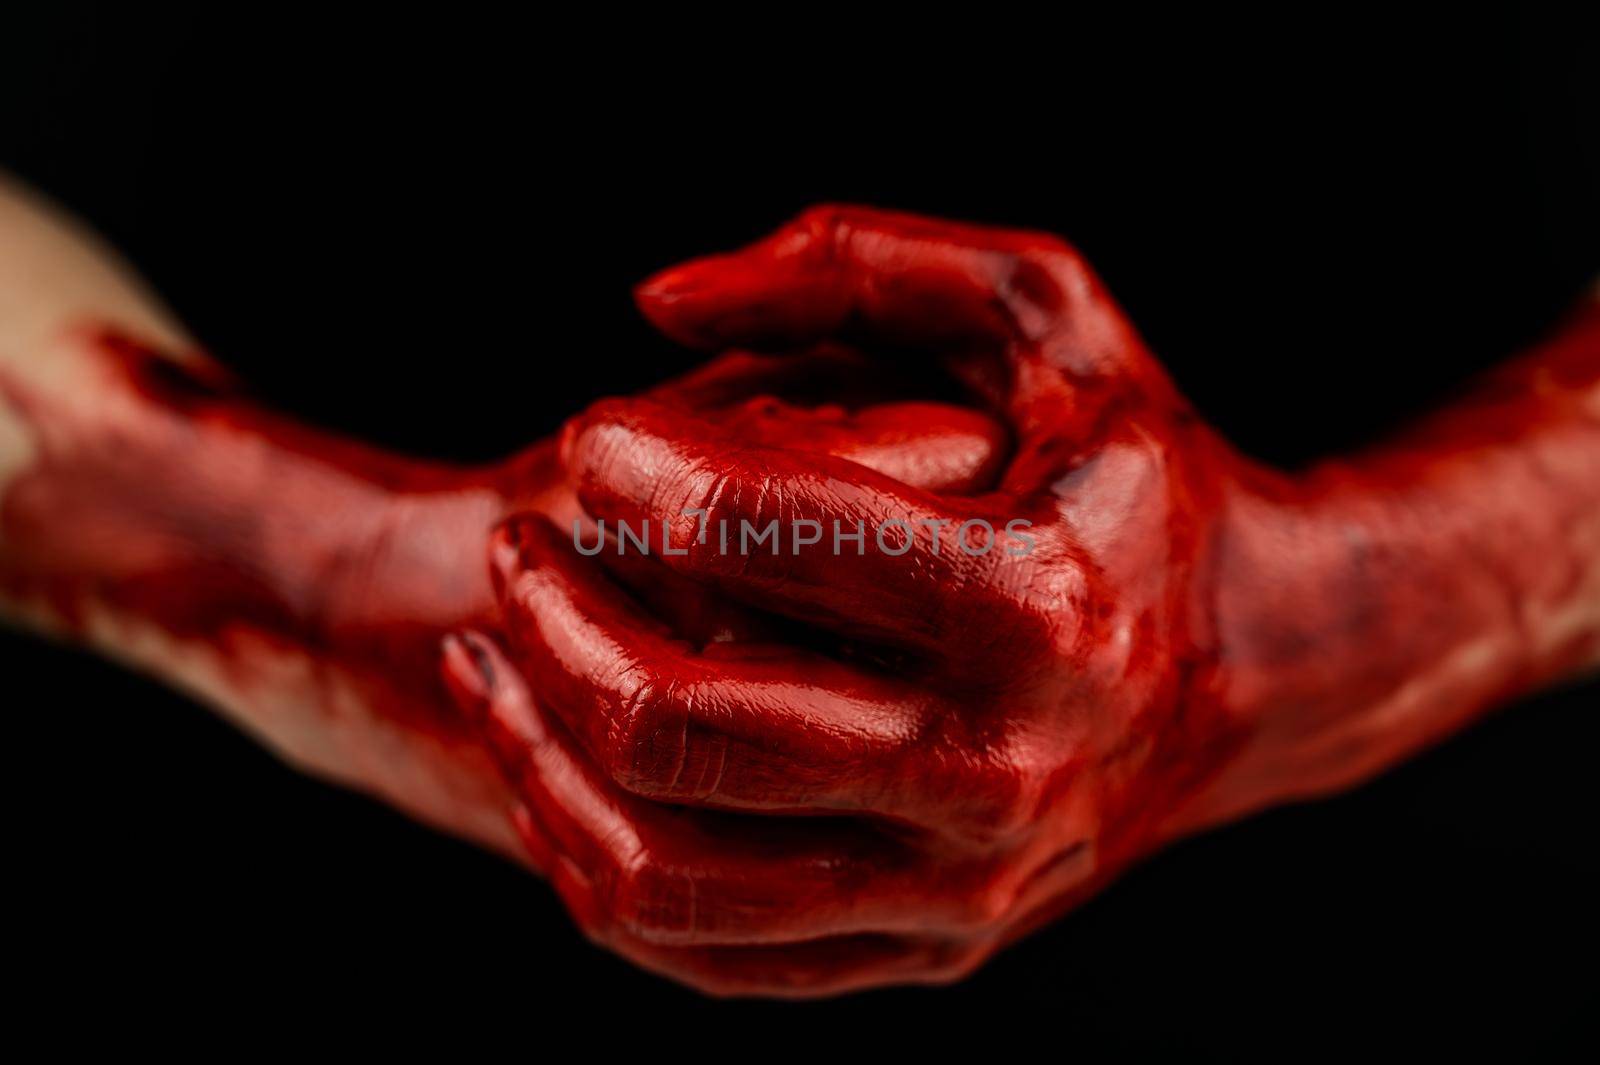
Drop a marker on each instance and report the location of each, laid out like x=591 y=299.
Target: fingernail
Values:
x=468 y=664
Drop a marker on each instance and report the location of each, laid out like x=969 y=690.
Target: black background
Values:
x=424 y=233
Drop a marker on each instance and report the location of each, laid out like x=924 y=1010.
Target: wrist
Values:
x=152 y=490
x=1373 y=606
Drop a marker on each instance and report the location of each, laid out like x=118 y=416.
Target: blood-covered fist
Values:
x=949 y=690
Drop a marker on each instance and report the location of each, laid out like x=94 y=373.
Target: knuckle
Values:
x=822 y=221
x=1046 y=249
x=1000 y=791
x=815 y=234
x=655 y=899
x=987 y=907
x=1014 y=800
x=739 y=508
x=1023 y=602
x=1042 y=283
x=645 y=741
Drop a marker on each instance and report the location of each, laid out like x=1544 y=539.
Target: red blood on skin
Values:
x=987 y=739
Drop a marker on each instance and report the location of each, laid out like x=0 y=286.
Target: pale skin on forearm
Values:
x=55 y=276
x=53 y=273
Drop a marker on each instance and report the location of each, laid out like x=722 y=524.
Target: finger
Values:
x=933 y=446
x=816 y=538
x=937 y=447
x=894 y=278
x=691 y=612
x=1018 y=317
x=812 y=968
x=764 y=728
x=671 y=876
x=832 y=401
x=818 y=968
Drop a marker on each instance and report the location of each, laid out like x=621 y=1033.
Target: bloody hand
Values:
x=1088 y=625
x=919 y=746
x=302 y=583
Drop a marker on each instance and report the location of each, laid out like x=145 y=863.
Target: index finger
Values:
x=896 y=278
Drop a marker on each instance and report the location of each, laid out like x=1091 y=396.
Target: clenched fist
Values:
x=938 y=714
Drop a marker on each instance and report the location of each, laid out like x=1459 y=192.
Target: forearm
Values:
x=145 y=489
x=296 y=582
x=127 y=464
x=1378 y=603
